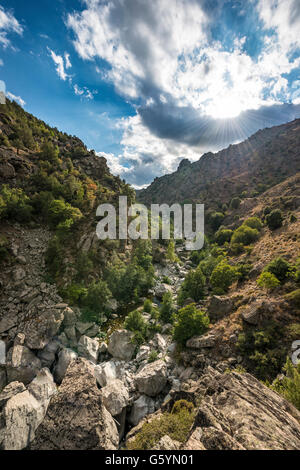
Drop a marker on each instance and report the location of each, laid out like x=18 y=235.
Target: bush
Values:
x=222 y=277
x=97 y=296
x=171 y=254
x=235 y=203
x=223 y=236
x=289 y=387
x=244 y=235
x=15 y=205
x=61 y=211
x=135 y=322
x=49 y=152
x=148 y=306
x=260 y=349
x=193 y=286
x=267 y=281
x=153 y=356
x=189 y=322
x=274 y=219
x=216 y=219
x=176 y=425
x=167 y=308
x=280 y=268
x=254 y=222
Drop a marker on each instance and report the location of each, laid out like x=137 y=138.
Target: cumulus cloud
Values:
x=84 y=92
x=193 y=90
x=18 y=99
x=8 y=24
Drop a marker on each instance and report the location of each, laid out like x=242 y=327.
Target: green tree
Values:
x=281 y=269
x=222 y=277
x=167 y=308
x=274 y=219
x=193 y=286
x=189 y=322
x=267 y=281
x=244 y=235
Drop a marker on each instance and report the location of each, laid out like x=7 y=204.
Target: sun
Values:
x=227 y=107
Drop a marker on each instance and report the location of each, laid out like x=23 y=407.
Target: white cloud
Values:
x=165 y=56
x=67 y=61
x=60 y=65
x=8 y=24
x=18 y=99
x=84 y=92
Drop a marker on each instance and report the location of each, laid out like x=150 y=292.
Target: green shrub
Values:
x=193 y=286
x=167 y=308
x=267 y=281
x=135 y=322
x=254 y=222
x=15 y=204
x=222 y=277
x=244 y=235
x=280 y=268
x=176 y=425
x=148 y=306
x=243 y=270
x=49 y=152
x=274 y=219
x=260 y=348
x=153 y=356
x=171 y=254
x=235 y=203
x=294 y=298
x=216 y=219
x=189 y=322
x=289 y=387
x=61 y=211
x=223 y=236
x=98 y=294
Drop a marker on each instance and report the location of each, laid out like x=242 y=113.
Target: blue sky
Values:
x=149 y=83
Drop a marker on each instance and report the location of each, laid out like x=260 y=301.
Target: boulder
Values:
x=152 y=379
x=70 y=333
x=166 y=443
x=239 y=412
x=115 y=397
x=219 y=307
x=105 y=373
x=25 y=411
x=70 y=317
x=7 y=322
x=65 y=357
x=143 y=353
x=88 y=348
x=160 y=342
x=48 y=354
x=40 y=330
x=199 y=342
x=10 y=391
x=76 y=418
x=141 y=408
x=161 y=290
x=83 y=327
x=252 y=313
x=22 y=365
x=121 y=346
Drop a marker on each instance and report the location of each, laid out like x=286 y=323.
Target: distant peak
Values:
x=183 y=164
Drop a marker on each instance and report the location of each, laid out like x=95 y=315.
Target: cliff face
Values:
x=251 y=167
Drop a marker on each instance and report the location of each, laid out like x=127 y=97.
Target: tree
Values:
x=235 y=203
x=193 y=286
x=274 y=219
x=244 y=235
x=167 y=308
x=280 y=268
x=216 y=220
x=254 y=222
x=49 y=152
x=189 y=322
x=223 y=236
x=267 y=281
x=222 y=277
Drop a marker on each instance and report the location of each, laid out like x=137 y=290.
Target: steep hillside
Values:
x=242 y=170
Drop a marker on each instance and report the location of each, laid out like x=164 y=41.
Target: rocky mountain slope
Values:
x=107 y=345
x=249 y=168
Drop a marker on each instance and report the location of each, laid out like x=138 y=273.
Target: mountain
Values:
x=243 y=170
x=106 y=344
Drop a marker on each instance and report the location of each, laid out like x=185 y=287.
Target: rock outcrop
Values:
x=76 y=418
x=120 y=345
x=152 y=379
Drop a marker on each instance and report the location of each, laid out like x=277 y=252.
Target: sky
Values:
x=148 y=83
